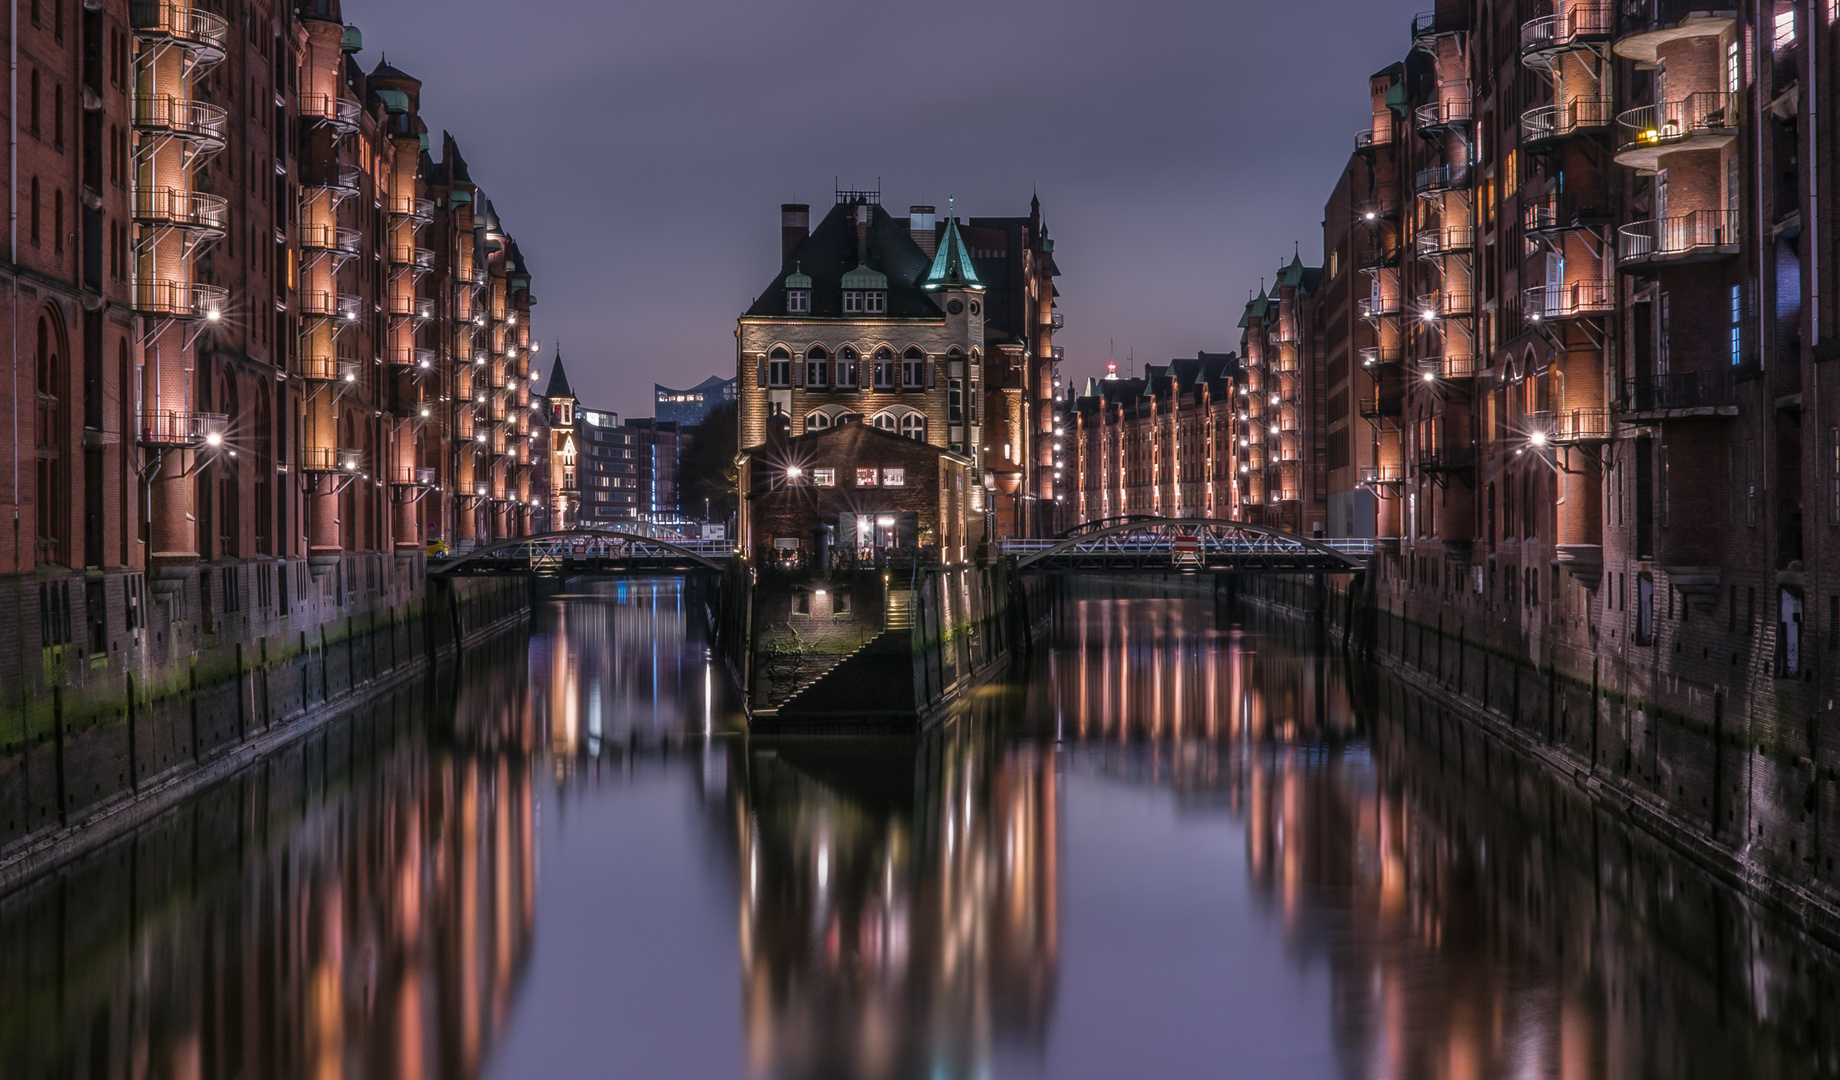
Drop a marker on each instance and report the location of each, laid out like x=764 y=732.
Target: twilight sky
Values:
x=639 y=151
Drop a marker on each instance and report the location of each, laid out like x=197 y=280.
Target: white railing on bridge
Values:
x=1186 y=548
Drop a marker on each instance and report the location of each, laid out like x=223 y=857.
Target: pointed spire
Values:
x=558 y=379
x=952 y=262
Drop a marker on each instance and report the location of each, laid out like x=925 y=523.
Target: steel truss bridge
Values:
x=639 y=550
x=1122 y=545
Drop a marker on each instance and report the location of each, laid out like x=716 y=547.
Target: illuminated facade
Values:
x=1163 y=445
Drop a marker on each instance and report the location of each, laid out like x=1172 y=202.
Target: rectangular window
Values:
x=1737 y=317
x=779 y=373
x=815 y=372
x=955 y=401
x=1662 y=495
x=913 y=374
x=875 y=302
x=824 y=477
x=894 y=477
x=1750 y=482
x=884 y=373
x=865 y=477
x=798 y=301
x=852 y=302
x=846 y=374
x=1785 y=28
x=1732 y=70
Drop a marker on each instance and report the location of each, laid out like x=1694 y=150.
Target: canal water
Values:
x=1183 y=843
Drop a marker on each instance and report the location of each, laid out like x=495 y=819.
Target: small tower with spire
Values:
x=565 y=493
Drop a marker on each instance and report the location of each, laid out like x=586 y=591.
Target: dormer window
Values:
x=798 y=301
x=865 y=292
x=875 y=302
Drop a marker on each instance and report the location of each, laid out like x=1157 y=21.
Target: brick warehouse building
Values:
x=1588 y=357
x=1162 y=445
x=266 y=345
x=942 y=331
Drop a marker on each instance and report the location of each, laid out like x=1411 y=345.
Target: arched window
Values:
x=913 y=426
x=779 y=368
x=817 y=367
x=884 y=368
x=817 y=421
x=816 y=352
x=913 y=369
x=265 y=467
x=847 y=369
x=52 y=491
x=887 y=422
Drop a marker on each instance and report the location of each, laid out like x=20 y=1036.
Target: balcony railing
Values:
x=412 y=476
x=420 y=211
x=1380 y=307
x=1567 y=118
x=1706 y=113
x=194 y=120
x=330 y=238
x=1569 y=426
x=332 y=369
x=1692 y=390
x=1447 y=367
x=198 y=30
x=181 y=299
x=1454 y=110
x=1577 y=25
x=1367 y=140
x=181 y=209
x=1446 y=458
x=1377 y=258
x=1444 y=305
x=1375 y=405
x=344 y=307
x=420 y=258
x=1377 y=356
x=1579 y=299
x=1441 y=178
x=420 y=359
x=341 y=113
x=323 y=459
x=1560 y=212
x=341 y=180
x=1645 y=27
x=1435 y=242
x=1703 y=234
x=181 y=430
x=420 y=308
x=1372 y=475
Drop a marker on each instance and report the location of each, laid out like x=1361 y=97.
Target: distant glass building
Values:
x=687 y=408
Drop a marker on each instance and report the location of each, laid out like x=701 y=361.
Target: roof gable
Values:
x=831 y=253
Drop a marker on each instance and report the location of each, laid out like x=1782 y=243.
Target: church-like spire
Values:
x=558 y=380
x=952 y=262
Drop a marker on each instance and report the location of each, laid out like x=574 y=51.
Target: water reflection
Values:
x=1321 y=878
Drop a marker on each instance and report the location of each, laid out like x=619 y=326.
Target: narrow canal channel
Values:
x=1187 y=845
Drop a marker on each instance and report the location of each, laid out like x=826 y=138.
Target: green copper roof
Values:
x=353 y=40
x=798 y=281
x=861 y=278
x=1293 y=274
x=952 y=263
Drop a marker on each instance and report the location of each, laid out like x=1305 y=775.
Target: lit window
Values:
x=1737 y=317
x=824 y=477
x=1732 y=70
x=865 y=477
x=1785 y=28
x=894 y=477
x=798 y=301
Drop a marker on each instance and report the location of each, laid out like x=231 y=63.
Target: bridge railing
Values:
x=1155 y=544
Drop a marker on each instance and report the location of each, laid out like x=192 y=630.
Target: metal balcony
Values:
x=339 y=113
x=1443 y=305
x=420 y=211
x=342 y=181
x=1441 y=178
x=194 y=121
x=419 y=308
x=322 y=459
x=1365 y=141
x=1703 y=121
x=342 y=242
x=1436 y=242
x=181 y=300
x=1701 y=236
x=420 y=359
x=330 y=369
x=1437 y=117
x=418 y=258
x=412 y=476
x=1579 y=300
x=1447 y=368
x=1376 y=475
x=1565 y=120
x=1380 y=307
x=1377 y=258
x=1375 y=406
x=190 y=210
x=172 y=430
x=344 y=307
x=1374 y=356
x=1561 y=213
x=1651 y=399
x=1580 y=25
x=1426 y=24
x=199 y=32
x=1569 y=427
x=1443 y=459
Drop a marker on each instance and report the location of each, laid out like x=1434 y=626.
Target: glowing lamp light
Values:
x=424 y=412
x=1538 y=438
x=213 y=315
x=1430 y=315
x=214 y=439
x=481 y=437
x=479 y=490
x=1430 y=376
x=885 y=520
x=1371 y=215
x=793 y=472
x=351 y=377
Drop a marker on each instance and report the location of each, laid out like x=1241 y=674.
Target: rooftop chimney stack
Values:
x=920 y=225
x=864 y=214
x=794 y=227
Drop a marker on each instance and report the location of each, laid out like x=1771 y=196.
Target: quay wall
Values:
x=156 y=693
x=1732 y=764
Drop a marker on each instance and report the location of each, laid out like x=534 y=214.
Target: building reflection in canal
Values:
x=368 y=903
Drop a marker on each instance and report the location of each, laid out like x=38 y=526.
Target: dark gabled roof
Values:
x=558 y=386
x=830 y=252
x=387 y=70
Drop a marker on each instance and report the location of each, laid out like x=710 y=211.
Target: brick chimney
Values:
x=794 y=227
x=920 y=227
x=864 y=214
